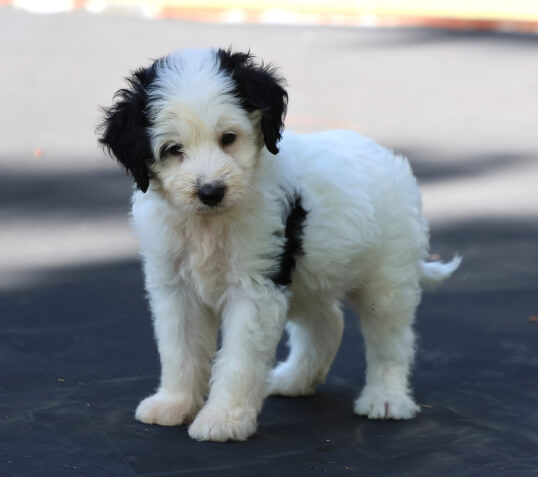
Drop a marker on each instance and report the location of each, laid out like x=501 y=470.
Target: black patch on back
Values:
x=260 y=88
x=293 y=245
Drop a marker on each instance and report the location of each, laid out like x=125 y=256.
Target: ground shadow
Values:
x=423 y=37
x=65 y=194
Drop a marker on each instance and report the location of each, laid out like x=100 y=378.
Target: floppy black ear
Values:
x=124 y=130
x=260 y=89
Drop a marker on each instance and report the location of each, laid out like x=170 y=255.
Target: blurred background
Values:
x=453 y=85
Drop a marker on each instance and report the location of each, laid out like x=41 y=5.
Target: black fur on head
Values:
x=123 y=131
x=260 y=89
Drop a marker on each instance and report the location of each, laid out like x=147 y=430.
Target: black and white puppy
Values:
x=247 y=229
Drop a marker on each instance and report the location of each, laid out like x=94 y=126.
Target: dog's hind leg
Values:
x=387 y=310
x=315 y=332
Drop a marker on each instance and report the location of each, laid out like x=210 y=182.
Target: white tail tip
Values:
x=434 y=273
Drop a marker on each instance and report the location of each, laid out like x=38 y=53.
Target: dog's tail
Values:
x=434 y=273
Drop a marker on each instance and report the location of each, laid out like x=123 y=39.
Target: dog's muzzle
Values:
x=211 y=194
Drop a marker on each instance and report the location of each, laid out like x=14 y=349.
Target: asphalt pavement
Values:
x=76 y=345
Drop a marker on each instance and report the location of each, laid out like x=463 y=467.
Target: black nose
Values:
x=211 y=194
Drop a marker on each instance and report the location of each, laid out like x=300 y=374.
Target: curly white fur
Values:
x=364 y=239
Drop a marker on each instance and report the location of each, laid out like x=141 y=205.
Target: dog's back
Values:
x=363 y=204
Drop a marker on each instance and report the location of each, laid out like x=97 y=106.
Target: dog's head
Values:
x=194 y=122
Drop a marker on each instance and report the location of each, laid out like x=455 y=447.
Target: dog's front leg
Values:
x=185 y=331
x=251 y=329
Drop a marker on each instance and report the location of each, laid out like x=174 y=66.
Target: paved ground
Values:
x=76 y=346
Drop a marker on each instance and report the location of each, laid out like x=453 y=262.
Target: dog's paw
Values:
x=377 y=404
x=165 y=410
x=222 y=424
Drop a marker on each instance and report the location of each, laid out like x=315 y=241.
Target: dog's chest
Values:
x=221 y=259
x=208 y=266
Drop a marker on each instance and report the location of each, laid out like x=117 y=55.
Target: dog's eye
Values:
x=173 y=149
x=227 y=139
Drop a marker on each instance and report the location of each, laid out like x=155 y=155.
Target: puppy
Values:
x=246 y=229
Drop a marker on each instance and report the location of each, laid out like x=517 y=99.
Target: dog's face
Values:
x=194 y=124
